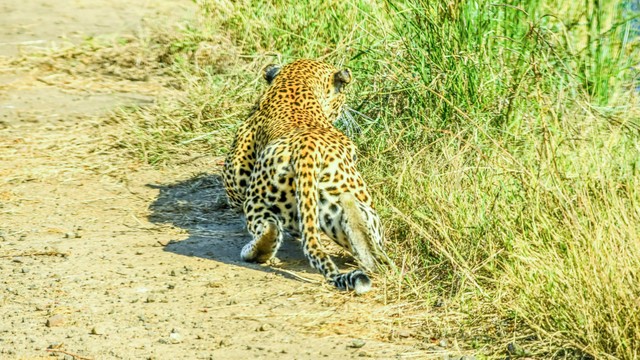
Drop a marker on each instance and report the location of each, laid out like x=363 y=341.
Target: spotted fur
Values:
x=290 y=169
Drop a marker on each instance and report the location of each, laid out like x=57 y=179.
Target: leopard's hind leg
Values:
x=263 y=222
x=267 y=235
x=360 y=227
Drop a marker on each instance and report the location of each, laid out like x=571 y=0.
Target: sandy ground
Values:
x=102 y=257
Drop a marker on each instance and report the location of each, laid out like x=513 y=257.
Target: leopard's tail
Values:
x=364 y=232
x=307 y=170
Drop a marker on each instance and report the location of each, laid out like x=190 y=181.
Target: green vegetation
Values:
x=501 y=141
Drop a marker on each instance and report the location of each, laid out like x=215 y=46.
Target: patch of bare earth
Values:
x=103 y=257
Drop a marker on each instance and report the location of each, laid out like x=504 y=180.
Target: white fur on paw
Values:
x=248 y=252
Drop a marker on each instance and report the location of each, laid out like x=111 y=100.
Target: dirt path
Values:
x=103 y=257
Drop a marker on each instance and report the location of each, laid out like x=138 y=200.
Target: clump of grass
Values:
x=500 y=141
x=196 y=119
x=511 y=182
x=515 y=188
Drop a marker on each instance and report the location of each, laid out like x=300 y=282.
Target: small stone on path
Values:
x=56 y=320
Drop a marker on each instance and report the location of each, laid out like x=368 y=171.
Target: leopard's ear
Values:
x=270 y=71
x=340 y=79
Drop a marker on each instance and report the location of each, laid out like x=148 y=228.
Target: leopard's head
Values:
x=326 y=83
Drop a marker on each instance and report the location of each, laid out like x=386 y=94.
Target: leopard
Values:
x=291 y=170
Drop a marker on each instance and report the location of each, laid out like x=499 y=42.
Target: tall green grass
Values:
x=501 y=141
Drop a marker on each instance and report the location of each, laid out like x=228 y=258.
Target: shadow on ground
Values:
x=216 y=232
